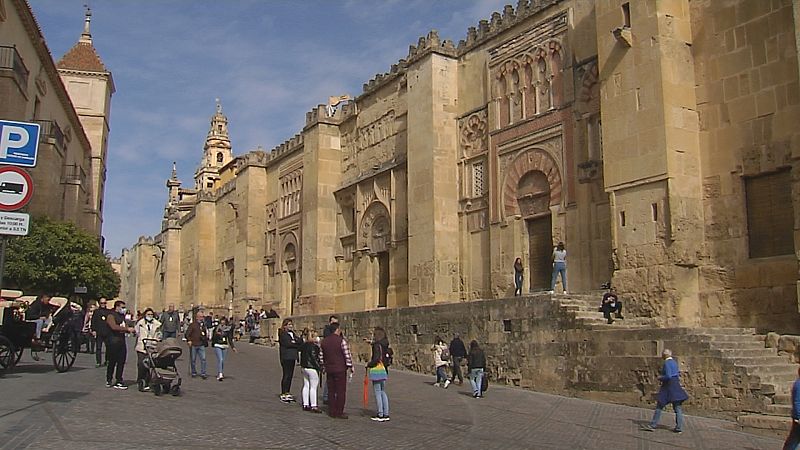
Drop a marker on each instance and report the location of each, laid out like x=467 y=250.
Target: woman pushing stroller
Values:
x=146 y=328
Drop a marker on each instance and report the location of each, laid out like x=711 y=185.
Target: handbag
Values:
x=484 y=382
x=378 y=373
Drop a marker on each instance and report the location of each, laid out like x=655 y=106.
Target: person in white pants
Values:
x=310 y=362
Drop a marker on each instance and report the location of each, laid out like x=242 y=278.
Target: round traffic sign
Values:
x=16 y=188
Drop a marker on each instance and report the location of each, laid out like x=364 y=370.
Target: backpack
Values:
x=388 y=356
x=445 y=354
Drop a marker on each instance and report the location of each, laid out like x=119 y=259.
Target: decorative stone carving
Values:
x=473 y=131
x=375 y=229
x=524 y=162
x=365 y=137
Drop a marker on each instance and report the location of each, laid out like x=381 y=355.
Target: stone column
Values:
x=432 y=180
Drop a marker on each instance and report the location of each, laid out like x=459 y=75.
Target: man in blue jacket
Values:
x=793 y=440
x=670 y=392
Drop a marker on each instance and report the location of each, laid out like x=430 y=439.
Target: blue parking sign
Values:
x=19 y=143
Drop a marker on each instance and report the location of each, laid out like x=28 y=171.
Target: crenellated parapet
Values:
x=498 y=22
x=286 y=147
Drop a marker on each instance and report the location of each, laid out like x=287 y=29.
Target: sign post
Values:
x=19 y=146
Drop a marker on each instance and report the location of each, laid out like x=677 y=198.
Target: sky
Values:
x=268 y=61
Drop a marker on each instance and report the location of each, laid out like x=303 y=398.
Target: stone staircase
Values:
x=739 y=348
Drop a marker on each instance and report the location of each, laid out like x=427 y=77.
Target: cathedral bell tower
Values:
x=216 y=152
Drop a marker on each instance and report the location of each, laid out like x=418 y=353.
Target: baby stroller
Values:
x=160 y=362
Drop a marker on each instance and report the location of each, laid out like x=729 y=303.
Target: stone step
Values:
x=779 y=410
x=745 y=353
x=781 y=369
x=733 y=345
x=782 y=399
x=727 y=330
x=732 y=338
x=765 y=424
x=758 y=360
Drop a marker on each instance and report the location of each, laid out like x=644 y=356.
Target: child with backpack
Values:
x=378 y=372
x=441 y=358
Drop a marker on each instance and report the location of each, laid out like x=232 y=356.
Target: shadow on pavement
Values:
x=59 y=396
x=36 y=368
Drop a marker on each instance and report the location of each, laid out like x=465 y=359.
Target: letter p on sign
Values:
x=12 y=137
x=19 y=143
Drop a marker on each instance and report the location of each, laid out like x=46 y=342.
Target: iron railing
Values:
x=11 y=61
x=51 y=130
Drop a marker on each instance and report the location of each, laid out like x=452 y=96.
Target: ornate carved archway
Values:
x=376 y=229
x=289 y=252
x=525 y=162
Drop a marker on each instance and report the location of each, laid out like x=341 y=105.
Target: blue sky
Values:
x=269 y=61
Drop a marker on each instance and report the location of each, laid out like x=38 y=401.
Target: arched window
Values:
x=219 y=157
x=502 y=90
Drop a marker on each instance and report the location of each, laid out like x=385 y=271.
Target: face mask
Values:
x=123 y=310
x=149 y=318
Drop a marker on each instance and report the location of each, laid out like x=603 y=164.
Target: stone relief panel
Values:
x=473 y=133
x=375 y=229
x=370 y=144
x=523 y=190
x=291 y=186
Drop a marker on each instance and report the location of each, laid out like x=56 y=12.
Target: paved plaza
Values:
x=42 y=409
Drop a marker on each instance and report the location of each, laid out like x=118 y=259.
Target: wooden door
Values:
x=540 y=250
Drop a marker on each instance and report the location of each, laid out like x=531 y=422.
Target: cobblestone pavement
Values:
x=43 y=409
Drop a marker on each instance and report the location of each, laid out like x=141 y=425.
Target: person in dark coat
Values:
x=518 y=272
x=458 y=352
x=670 y=392
x=312 y=368
x=476 y=362
x=378 y=373
x=290 y=343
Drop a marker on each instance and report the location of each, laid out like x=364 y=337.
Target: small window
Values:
x=210 y=184
x=622 y=218
x=507 y=326
x=414 y=329
x=626 y=15
x=654 y=211
x=770 y=216
x=219 y=157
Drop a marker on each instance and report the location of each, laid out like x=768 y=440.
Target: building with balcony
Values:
x=71 y=103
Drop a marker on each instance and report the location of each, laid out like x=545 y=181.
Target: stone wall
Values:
x=787 y=345
x=533 y=343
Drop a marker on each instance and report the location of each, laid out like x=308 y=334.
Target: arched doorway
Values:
x=290 y=266
x=533 y=199
x=377 y=234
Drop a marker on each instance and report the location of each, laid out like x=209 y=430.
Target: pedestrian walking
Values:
x=518 y=271
x=559 y=267
x=101 y=332
x=670 y=392
x=289 y=343
x=457 y=352
x=86 y=330
x=378 y=373
x=197 y=339
x=476 y=362
x=325 y=333
x=221 y=341
x=117 y=348
x=337 y=361
x=441 y=357
x=170 y=322
x=310 y=362
x=793 y=439
x=147 y=328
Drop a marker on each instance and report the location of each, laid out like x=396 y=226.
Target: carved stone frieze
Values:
x=473 y=132
x=366 y=137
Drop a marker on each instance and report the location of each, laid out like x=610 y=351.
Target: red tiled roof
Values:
x=82 y=57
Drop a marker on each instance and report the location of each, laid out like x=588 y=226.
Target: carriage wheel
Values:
x=7 y=353
x=17 y=355
x=65 y=348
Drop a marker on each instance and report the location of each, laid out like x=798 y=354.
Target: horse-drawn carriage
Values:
x=16 y=334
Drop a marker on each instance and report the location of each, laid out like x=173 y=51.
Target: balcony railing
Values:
x=73 y=174
x=51 y=130
x=10 y=61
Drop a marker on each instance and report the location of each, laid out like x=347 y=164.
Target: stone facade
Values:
x=71 y=100
x=654 y=138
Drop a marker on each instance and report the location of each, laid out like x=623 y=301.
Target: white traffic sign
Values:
x=14 y=224
x=19 y=143
x=16 y=188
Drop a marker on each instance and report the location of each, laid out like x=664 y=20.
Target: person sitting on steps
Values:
x=611 y=303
